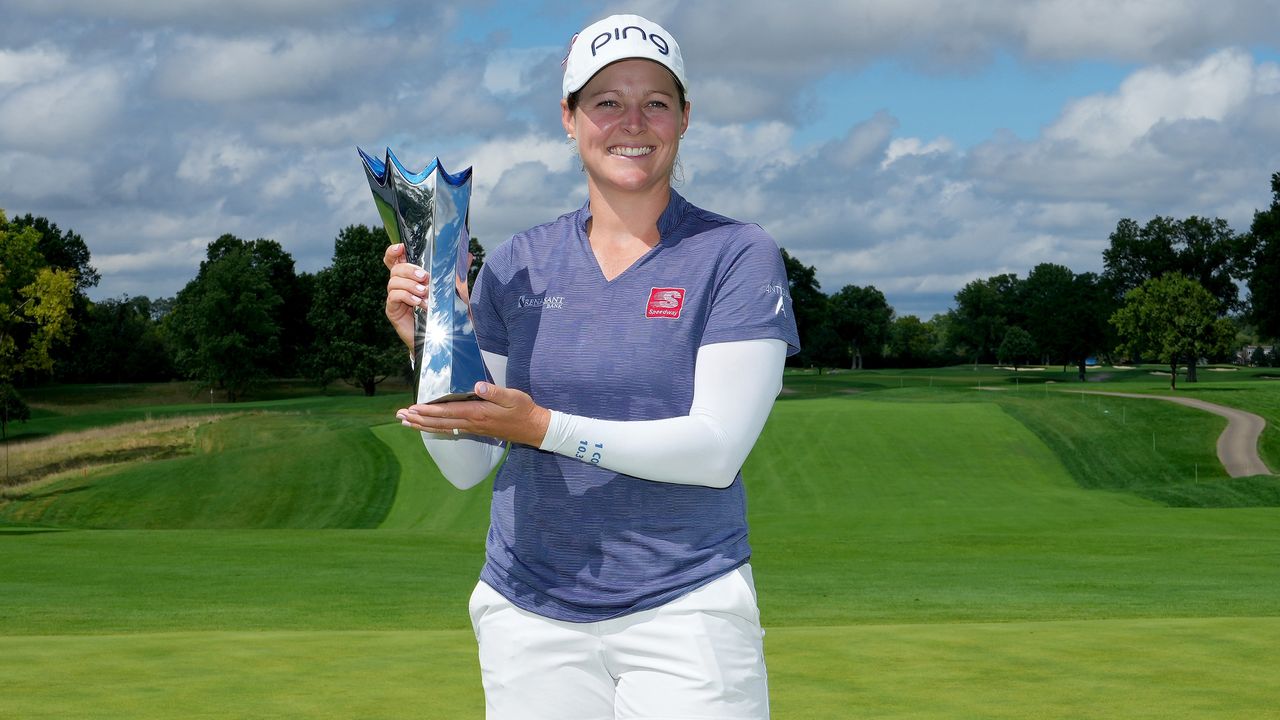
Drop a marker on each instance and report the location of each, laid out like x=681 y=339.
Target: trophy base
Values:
x=454 y=397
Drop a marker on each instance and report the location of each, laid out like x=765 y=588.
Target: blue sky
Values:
x=913 y=145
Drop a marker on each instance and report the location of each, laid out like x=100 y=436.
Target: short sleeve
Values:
x=491 y=326
x=752 y=300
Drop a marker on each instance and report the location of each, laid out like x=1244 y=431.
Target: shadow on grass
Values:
x=28 y=497
x=18 y=531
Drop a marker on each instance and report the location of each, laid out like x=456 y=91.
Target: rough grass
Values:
x=253 y=471
x=32 y=464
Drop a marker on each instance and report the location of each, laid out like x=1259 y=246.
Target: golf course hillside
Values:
x=927 y=544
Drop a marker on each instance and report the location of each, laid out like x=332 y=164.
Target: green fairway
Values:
x=1159 y=669
x=923 y=549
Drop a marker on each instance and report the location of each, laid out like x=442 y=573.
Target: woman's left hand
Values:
x=503 y=413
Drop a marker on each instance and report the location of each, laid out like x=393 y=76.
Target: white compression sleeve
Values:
x=467 y=460
x=734 y=386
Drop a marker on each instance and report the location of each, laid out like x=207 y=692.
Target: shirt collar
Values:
x=668 y=221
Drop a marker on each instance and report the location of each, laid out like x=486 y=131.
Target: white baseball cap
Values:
x=619 y=37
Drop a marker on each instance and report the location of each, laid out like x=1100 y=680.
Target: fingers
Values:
x=394 y=259
x=392 y=255
x=406 y=288
x=503 y=397
x=443 y=418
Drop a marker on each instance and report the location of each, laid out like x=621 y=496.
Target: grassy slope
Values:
x=424 y=500
x=307 y=464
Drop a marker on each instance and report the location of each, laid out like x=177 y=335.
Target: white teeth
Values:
x=630 y=151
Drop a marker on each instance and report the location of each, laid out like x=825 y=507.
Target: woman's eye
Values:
x=657 y=104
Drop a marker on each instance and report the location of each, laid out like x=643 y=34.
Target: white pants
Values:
x=699 y=656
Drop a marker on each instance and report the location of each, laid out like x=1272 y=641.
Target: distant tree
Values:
x=294 y=290
x=35 y=304
x=224 y=325
x=984 y=309
x=1017 y=345
x=1261 y=262
x=1048 y=303
x=66 y=251
x=1136 y=253
x=61 y=250
x=1258 y=358
x=911 y=342
x=477 y=261
x=1089 y=327
x=123 y=343
x=810 y=306
x=861 y=317
x=354 y=342
x=1173 y=319
x=1201 y=249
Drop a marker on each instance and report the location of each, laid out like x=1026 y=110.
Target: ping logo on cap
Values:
x=622 y=33
x=665 y=303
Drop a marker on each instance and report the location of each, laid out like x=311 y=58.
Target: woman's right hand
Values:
x=406 y=290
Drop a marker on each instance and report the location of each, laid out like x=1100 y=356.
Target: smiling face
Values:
x=628 y=123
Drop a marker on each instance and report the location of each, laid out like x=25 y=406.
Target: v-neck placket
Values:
x=668 y=221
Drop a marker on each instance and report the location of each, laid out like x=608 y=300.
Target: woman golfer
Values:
x=636 y=346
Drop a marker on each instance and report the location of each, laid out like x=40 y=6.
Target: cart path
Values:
x=1237 y=445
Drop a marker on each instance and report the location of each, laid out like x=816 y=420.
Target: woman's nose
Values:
x=633 y=119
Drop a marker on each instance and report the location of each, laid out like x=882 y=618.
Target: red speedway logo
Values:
x=665 y=303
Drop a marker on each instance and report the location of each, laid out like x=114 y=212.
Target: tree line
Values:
x=248 y=315
x=1169 y=293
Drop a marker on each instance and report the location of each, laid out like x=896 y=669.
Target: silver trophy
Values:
x=428 y=212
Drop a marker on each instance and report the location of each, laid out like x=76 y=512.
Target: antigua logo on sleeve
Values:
x=665 y=303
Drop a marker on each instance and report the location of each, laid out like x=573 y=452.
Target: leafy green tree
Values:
x=35 y=304
x=1261 y=255
x=1137 y=253
x=477 y=261
x=818 y=343
x=1047 y=302
x=295 y=291
x=984 y=309
x=1258 y=358
x=124 y=344
x=1089 y=327
x=65 y=250
x=224 y=325
x=1202 y=249
x=861 y=317
x=1174 y=319
x=1017 y=345
x=61 y=250
x=354 y=341
x=1067 y=314
x=911 y=342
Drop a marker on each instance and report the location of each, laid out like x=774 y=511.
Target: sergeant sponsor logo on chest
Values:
x=544 y=302
x=666 y=302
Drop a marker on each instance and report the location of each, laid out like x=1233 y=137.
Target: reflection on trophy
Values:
x=427 y=211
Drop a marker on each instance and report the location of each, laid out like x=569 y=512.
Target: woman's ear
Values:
x=566 y=118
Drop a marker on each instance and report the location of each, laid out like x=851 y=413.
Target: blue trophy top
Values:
x=378 y=169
